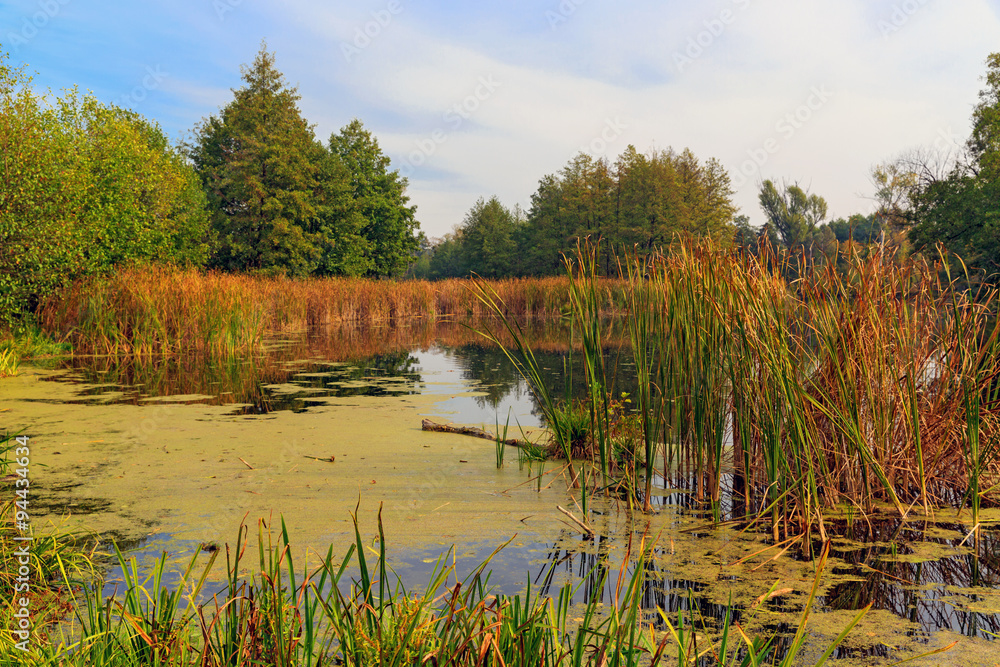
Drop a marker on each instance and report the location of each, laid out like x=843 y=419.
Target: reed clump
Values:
x=156 y=310
x=809 y=388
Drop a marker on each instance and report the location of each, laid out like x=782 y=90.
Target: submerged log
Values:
x=429 y=425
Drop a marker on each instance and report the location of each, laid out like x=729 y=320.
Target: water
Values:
x=170 y=455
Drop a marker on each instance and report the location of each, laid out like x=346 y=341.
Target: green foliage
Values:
x=485 y=245
x=283 y=204
x=275 y=613
x=793 y=213
x=9 y=363
x=641 y=201
x=84 y=188
x=858 y=228
x=388 y=224
x=961 y=210
x=259 y=163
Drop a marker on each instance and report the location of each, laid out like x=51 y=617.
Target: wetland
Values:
x=171 y=454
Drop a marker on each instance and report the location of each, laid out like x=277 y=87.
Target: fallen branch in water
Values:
x=429 y=425
x=587 y=529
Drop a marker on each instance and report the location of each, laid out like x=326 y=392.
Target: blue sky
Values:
x=475 y=99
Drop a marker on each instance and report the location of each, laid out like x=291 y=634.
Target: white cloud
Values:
x=558 y=87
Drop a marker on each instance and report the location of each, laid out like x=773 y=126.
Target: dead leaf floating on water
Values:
x=773 y=594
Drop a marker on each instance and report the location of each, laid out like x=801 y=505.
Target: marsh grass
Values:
x=9 y=363
x=154 y=310
x=280 y=614
x=856 y=384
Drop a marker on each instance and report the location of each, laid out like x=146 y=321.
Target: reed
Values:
x=9 y=363
x=589 y=314
x=642 y=326
x=862 y=383
x=278 y=615
x=522 y=356
x=156 y=310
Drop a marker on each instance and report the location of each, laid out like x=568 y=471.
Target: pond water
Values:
x=172 y=454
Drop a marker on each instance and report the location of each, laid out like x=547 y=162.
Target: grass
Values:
x=278 y=613
x=862 y=383
x=9 y=363
x=155 y=310
x=27 y=343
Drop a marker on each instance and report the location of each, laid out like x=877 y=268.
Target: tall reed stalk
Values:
x=859 y=382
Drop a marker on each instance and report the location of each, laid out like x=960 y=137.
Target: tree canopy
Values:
x=389 y=232
x=85 y=187
x=639 y=201
x=282 y=203
x=793 y=213
x=960 y=209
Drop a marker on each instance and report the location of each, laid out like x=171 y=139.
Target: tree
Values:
x=261 y=165
x=389 y=225
x=794 y=213
x=641 y=201
x=961 y=209
x=488 y=239
x=340 y=223
x=448 y=259
x=85 y=187
x=864 y=229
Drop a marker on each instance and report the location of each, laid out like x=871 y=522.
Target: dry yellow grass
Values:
x=154 y=310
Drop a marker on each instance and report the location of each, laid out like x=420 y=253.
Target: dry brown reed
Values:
x=155 y=310
x=868 y=382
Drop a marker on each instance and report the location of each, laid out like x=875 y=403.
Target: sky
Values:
x=475 y=99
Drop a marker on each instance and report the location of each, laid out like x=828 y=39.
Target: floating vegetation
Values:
x=279 y=613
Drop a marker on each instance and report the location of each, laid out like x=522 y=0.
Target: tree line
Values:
x=86 y=187
x=924 y=199
x=639 y=201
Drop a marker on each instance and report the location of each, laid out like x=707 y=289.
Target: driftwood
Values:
x=428 y=425
x=587 y=529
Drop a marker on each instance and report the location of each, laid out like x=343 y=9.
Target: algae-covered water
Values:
x=171 y=455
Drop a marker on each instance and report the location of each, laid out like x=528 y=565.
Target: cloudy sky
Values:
x=472 y=99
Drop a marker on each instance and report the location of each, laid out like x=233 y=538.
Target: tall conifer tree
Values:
x=261 y=167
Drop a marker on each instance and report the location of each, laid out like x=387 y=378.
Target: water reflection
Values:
x=299 y=372
x=941 y=590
